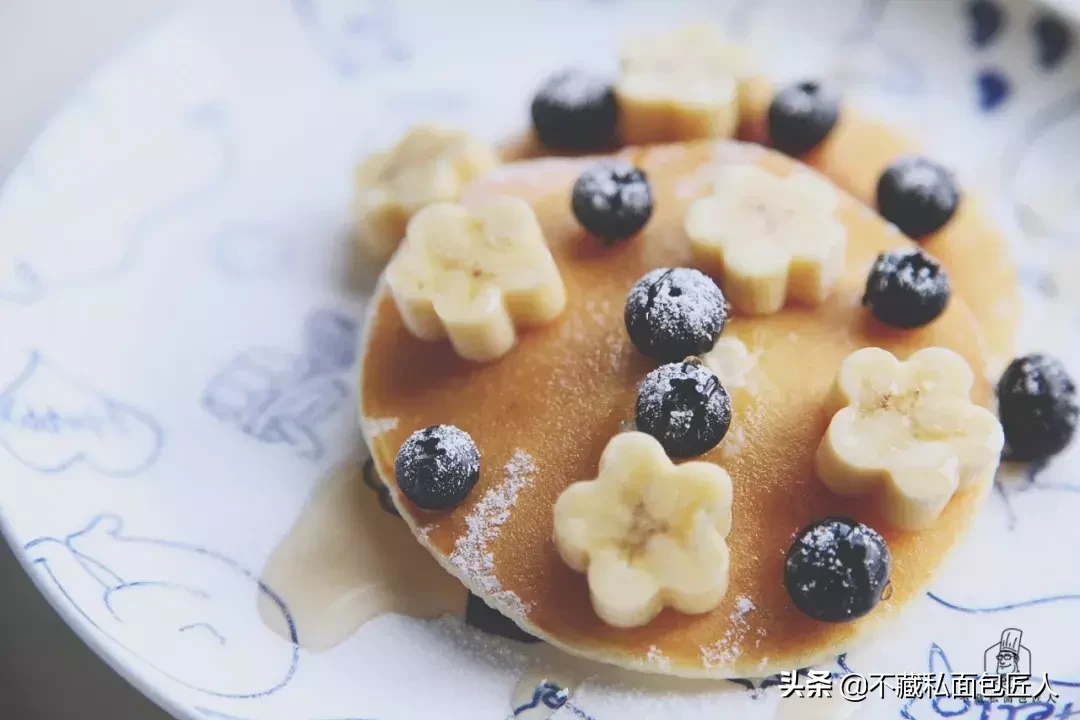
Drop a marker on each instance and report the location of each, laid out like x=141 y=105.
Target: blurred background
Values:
x=46 y=48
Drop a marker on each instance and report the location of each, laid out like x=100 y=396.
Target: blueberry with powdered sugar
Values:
x=685 y=407
x=801 y=116
x=917 y=195
x=612 y=199
x=437 y=467
x=672 y=313
x=1037 y=407
x=837 y=569
x=906 y=288
x=575 y=110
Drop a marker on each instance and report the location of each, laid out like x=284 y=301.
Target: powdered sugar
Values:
x=377 y=426
x=574 y=88
x=733 y=442
x=471 y=555
x=922 y=177
x=656 y=657
x=728 y=648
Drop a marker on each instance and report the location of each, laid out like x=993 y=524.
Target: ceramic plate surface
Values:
x=180 y=312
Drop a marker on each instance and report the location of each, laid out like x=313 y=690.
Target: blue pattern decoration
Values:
x=357 y=36
x=27 y=283
x=51 y=422
x=554 y=698
x=88 y=570
x=987 y=20
x=1031 y=482
x=950 y=707
x=990 y=609
x=938 y=664
x=993 y=87
x=278 y=397
x=1053 y=40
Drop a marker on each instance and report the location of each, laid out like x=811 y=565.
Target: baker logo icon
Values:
x=1008 y=656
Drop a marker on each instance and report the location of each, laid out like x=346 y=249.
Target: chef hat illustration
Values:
x=1010 y=642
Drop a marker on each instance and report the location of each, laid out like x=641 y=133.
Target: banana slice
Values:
x=649 y=533
x=681 y=85
x=474 y=275
x=909 y=431
x=430 y=164
x=768 y=237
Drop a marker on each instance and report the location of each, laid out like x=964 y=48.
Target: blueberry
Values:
x=837 y=569
x=906 y=288
x=437 y=467
x=375 y=484
x=801 y=116
x=917 y=195
x=575 y=110
x=672 y=313
x=483 y=617
x=684 y=406
x=612 y=199
x=1037 y=406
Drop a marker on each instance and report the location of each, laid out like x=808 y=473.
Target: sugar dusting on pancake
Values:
x=471 y=555
x=729 y=647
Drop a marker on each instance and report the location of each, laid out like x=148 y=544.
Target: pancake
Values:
x=854 y=154
x=542 y=414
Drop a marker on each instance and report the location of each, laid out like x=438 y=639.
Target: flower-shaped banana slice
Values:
x=474 y=275
x=909 y=432
x=430 y=164
x=768 y=237
x=648 y=533
x=680 y=85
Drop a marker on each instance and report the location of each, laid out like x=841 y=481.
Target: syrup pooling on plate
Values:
x=346 y=560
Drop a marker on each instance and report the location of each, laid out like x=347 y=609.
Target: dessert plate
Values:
x=179 y=447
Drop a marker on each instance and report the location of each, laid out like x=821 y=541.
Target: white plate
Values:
x=177 y=372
